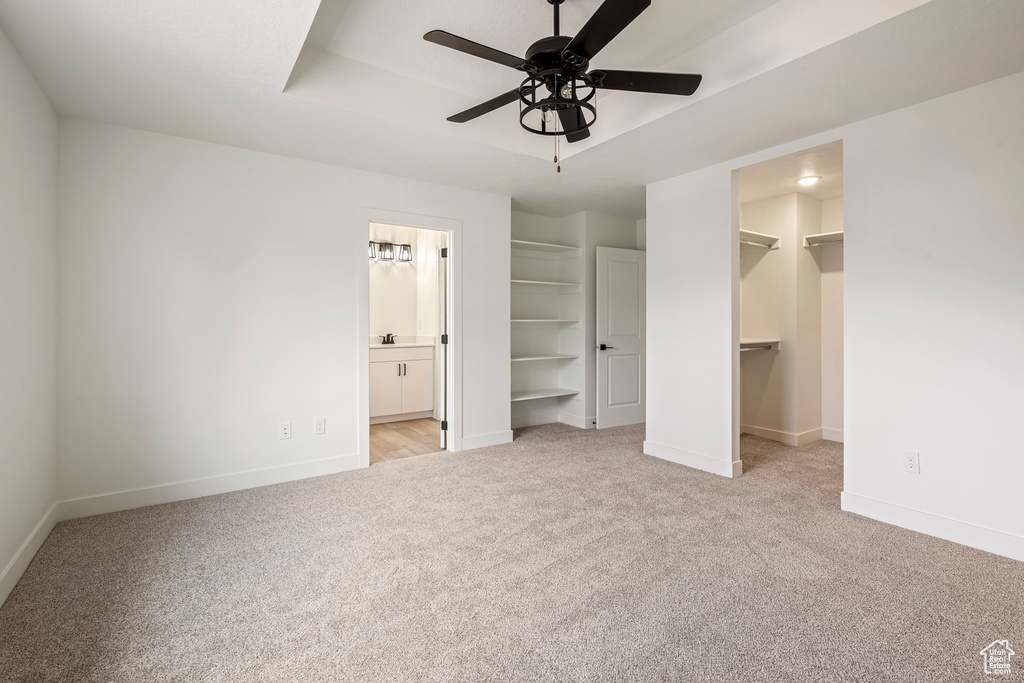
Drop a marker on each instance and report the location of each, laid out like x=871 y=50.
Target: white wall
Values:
x=830 y=258
x=425 y=258
x=933 y=317
x=693 y=322
x=641 y=234
x=393 y=299
x=208 y=293
x=807 y=339
x=402 y=291
x=28 y=458
x=767 y=311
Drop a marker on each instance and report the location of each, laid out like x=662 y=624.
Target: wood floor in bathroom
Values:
x=394 y=440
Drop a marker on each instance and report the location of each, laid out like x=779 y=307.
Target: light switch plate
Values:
x=284 y=430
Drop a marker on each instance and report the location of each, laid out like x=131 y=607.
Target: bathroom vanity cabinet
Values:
x=401 y=381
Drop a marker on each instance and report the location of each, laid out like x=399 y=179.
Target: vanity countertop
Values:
x=401 y=345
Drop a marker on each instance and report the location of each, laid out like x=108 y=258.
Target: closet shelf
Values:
x=546 y=320
x=823 y=238
x=544 y=246
x=759 y=344
x=533 y=394
x=550 y=356
x=758 y=239
x=541 y=283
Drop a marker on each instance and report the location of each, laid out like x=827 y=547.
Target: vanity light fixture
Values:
x=385 y=251
x=404 y=252
x=807 y=181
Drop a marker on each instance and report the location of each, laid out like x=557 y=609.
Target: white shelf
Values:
x=534 y=394
x=549 y=310
x=542 y=283
x=545 y=320
x=823 y=238
x=758 y=239
x=544 y=246
x=759 y=344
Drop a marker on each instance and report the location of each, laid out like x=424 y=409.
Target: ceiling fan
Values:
x=557 y=97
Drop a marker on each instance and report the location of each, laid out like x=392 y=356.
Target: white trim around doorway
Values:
x=453 y=228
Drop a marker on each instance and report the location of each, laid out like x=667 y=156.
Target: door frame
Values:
x=600 y=337
x=453 y=229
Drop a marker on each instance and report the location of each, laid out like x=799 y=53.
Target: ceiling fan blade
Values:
x=646 y=81
x=607 y=22
x=476 y=49
x=568 y=119
x=486 y=107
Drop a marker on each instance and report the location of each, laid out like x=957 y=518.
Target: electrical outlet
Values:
x=284 y=430
x=320 y=426
x=911 y=462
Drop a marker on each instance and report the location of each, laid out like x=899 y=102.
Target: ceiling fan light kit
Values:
x=558 y=96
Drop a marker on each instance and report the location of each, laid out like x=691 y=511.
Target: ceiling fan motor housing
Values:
x=555 y=87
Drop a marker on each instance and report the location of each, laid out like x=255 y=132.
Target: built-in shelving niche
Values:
x=547 y=335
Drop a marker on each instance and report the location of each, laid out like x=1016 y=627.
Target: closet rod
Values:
x=756 y=244
x=766 y=347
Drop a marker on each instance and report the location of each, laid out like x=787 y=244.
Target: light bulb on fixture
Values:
x=404 y=252
x=386 y=251
x=373 y=249
x=807 y=181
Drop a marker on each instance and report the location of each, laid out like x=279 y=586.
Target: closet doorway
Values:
x=409 y=325
x=790 y=277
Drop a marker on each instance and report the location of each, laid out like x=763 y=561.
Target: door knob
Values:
x=604 y=347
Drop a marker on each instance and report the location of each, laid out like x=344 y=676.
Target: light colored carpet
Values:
x=565 y=556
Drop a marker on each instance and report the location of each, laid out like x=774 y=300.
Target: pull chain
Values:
x=558 y=166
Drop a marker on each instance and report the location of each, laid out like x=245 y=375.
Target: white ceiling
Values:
x=388 y=34
x=778 y=177
x=368 y=92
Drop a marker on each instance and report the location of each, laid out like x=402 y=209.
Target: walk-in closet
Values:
x=791 y=298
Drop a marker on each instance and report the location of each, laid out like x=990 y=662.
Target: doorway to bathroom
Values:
x=409 y=326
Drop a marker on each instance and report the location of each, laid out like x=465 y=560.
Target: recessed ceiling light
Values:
x=809 y=180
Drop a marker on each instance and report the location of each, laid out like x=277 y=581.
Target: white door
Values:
x=417 y=386
x=621 y=324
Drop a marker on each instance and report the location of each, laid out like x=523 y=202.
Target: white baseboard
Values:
x=19 y=563
x=989 y=540
x=548 y=418
x=197 y=488
x=788 y=438
x=696 y=460
x=576 y=421
x=832 y=434
x=534 y=420
x=483 y=440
